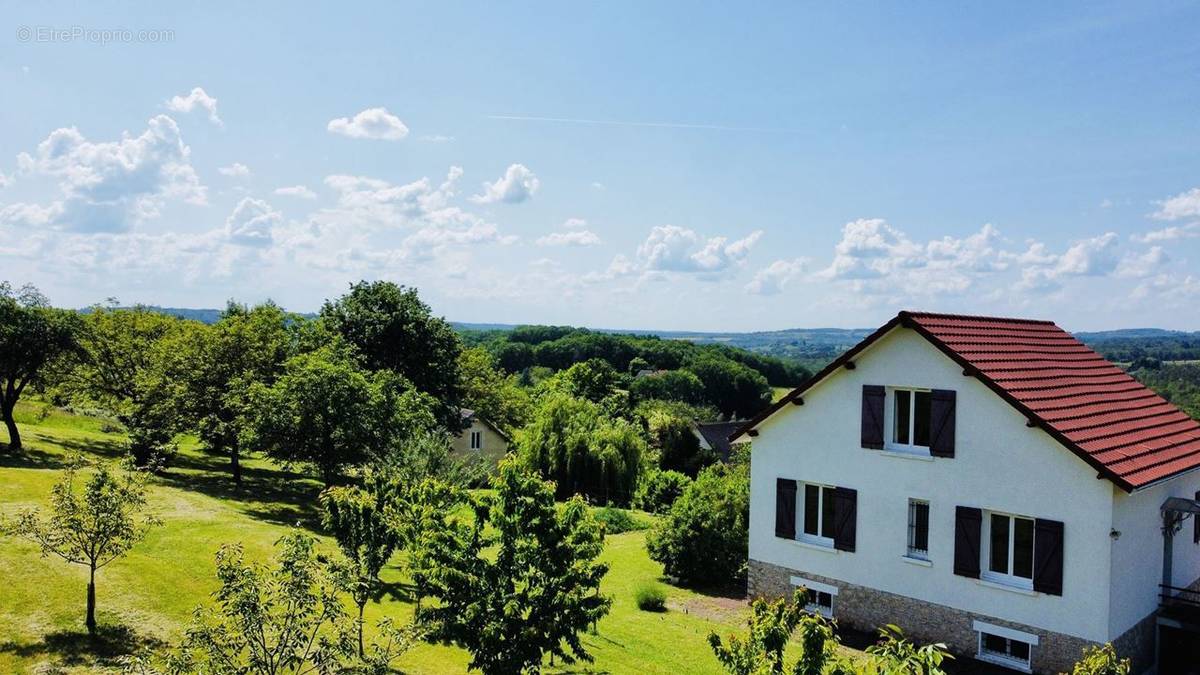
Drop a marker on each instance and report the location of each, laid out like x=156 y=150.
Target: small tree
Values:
x=286 y=618
x=1101 y=660
x=705 y=536
x=32 y=336
x=357 y=519
x=490 y=392
x=771 y=627
x=534 y=593
x=93 y=528
x=896 y=654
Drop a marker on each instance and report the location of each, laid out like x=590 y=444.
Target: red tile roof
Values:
x=1128 y=433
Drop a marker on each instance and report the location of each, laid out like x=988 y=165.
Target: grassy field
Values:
x=144 y=599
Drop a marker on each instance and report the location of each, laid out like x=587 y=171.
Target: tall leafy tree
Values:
x=92 y=527
x=491 y=393
x=33 y=336
x=704 y=538
x=520 y=581
x=119 y=372
x=210 y=370
x=286 y=618
x=324 y=410
x=572 y=442
x=393 y=329
x=357 y=519
x=736 y=390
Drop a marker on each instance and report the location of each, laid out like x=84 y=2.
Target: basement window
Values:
x=1005 y=646
x=820 y=596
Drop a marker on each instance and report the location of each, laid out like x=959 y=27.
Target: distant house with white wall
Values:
x=480 y=437
x=989 y=483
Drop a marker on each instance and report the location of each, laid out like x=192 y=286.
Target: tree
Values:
x=325 y=411
x=570 y=441
x=704 y=537
x=658 y=490
x=210 y=369
x=678 y=447
x=771 y=625
x=670 y=385
x=1101 y=660
x=93 y=528
x=513 y=357
x=357 y=520
x=491 y=393
x=893 y=653
x=32 y=336
x=593 y=380
x=534 y=593
x=735 y=390
x=286 y=618
x=117 y=371
x=392 y=329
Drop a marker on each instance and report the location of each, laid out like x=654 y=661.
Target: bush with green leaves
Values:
x=704 y=537
x=618 y=521
x=1101 y=660
x=658 y=490
x=772 y=624
x=650 y=597
x=894 y=653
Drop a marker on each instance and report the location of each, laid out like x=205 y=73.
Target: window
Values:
x=816 y=513
x=1008 y=544
x=1005 y=646
x=918 y=529
x=820 y=596
x=476 y=440
x=910 y=418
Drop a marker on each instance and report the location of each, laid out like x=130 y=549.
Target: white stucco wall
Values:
x=1137 y=554
x=1000 y=464
x=494 y=445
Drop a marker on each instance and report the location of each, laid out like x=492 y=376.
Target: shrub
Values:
x=1101 y=661
x=658 y=490
x=650 y=597
x=704 y=537
x=617 y=521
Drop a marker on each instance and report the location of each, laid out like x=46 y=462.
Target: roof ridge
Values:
x=976 y=317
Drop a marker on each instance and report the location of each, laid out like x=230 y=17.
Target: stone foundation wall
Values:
x=865 y=608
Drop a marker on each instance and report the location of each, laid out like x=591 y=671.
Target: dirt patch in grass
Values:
x=719 y=609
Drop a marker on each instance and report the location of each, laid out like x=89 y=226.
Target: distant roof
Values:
x=717 y=434
x=1124 y=430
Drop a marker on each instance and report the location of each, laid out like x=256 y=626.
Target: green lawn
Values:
x=145 y=599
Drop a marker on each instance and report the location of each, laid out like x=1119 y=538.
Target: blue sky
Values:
x=620 y=164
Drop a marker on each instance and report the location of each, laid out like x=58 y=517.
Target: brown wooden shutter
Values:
x=785 y=508
x=941 y=423
x=968 y=524
x=845 y=518
x=1048 y=556
x=872 y=416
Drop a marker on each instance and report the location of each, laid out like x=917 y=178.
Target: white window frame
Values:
x=802 y=504
x=889 y=421
x=817 y=587
x=1008 y=661
x=985 y=554
x=910 y=552
x=476 y=440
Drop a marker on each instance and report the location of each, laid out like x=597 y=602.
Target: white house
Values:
x=989 y=483
x=479 y=437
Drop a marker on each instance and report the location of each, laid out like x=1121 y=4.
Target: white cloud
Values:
x=1141 y=265
x=869 y=249
x=1182 y=205
x=237 y=170
x=375 y=123
x=670 y=248
x=516 y=185
x=1170 y=233
x=300 y=191
x=251 y=222
x=574 y=238
x=196 y=98
x=5 y=181
x=772 y=279
x=574 y=224
x=1091 y=257
x=112 y=185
